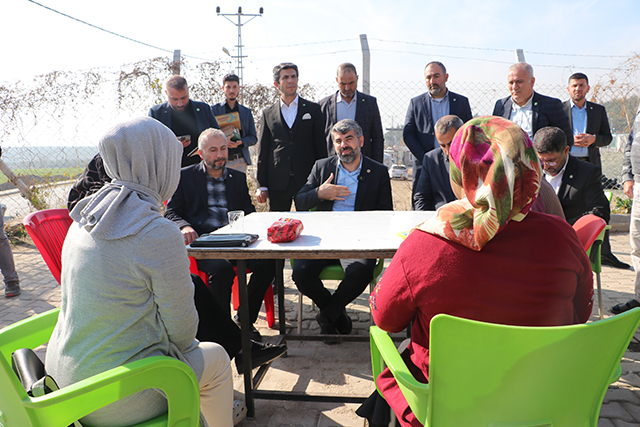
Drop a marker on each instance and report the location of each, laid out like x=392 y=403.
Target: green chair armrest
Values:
x=28 y=333
x=383 y=351
x=176 y=379
x=616 y=374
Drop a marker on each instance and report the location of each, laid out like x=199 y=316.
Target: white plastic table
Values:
x=326 y=235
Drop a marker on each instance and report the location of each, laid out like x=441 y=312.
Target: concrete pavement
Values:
x=339 y=369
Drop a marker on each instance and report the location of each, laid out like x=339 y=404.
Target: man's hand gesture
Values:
x=328 y=191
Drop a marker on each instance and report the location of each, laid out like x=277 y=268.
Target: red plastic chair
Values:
x=269 y=306
x=590 y=230
x=48 y=229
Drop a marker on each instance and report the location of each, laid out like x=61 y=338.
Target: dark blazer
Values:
x=580 y=192
x=284 y=151
x=249 y=136
x=189 y=204
x=546 y=111
x=374 y=186
x=598 y=125
x=433 y=189
x=204 y=118
x=419 y=133
x=367 y=116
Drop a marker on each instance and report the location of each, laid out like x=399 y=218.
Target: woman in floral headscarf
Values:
x=485 y=256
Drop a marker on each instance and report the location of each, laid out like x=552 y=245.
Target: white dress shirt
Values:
x=523 y=116
x=289 y=112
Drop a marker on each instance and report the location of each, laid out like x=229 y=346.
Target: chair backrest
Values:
x=588 y=228
x=28 y=333
x=48 y=229
x=483 y=374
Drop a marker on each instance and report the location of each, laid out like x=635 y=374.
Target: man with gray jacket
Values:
x=631 y=178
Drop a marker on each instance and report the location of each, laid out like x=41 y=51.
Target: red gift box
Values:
x=284 y=230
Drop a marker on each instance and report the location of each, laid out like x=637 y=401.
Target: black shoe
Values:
x=612 y=261
x=327 y=327
x=261 y=354
x=12 y=289
x=344 y=325
x=621 y=308
x=254 y=334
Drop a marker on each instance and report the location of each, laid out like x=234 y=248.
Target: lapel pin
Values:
x=304 y=105
x=197 y=109
x=368 y=170
x=535 y=103
x=570 y=176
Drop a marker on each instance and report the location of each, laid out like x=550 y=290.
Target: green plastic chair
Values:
x=63 y=407
x=483 y=374
x=335 y=272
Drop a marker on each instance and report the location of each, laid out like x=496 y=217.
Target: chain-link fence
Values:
x=49 y=127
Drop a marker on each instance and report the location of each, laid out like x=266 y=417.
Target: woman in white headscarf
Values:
x=126 y=289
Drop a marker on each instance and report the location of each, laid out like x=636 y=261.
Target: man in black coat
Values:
x=291 y=140
x=577 y=183
x=529 y=109
x=349 y=103
x=206 y=193
x=424 y=112
x=185 y=117
x=434 y=186
x=348 y=181
x=588 y=120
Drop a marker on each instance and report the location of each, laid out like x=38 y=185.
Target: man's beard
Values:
x=218 y=166
x=348 y=158
x=433 y=90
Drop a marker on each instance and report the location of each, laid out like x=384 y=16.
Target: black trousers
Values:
x=215 y=324
x=221 y=275
x=280 y=201
x=357 y=275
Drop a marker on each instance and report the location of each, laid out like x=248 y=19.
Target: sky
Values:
x=476 y=40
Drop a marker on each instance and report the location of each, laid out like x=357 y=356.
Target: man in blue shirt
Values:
x=347 y=181
x=588 y=120
x=590 y=132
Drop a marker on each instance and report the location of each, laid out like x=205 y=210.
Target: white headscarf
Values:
x=142 y=156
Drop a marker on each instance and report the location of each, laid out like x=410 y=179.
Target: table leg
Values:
x=282 y=321
x=245 y=331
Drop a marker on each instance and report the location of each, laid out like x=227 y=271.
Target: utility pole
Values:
x=175 y=65
x=520 y=55
x=239 y=46
x=366 y=64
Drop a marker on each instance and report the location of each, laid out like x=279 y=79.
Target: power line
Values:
x=498 y=50
x=305 y=44
x=489 y=49
x=486 y=60
x=111 y=32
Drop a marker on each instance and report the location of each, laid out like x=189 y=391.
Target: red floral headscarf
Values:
x=493 y=163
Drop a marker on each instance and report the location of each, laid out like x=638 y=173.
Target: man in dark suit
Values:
x=239 y=156
x=349 y=103
x=291 y=140
x=527 y=108
x=577 y=183
x=425 y=110
x=588 y=121
x=186 y=118
x=206 y=193
x=347 y=181
x=434 y=187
